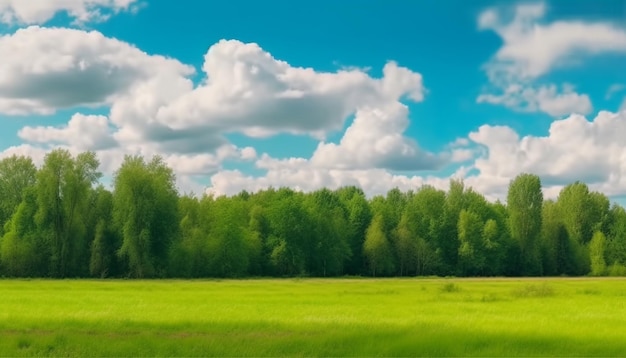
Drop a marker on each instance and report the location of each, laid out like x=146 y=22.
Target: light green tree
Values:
x=597 y=247
x=524 y=202
x=145 y=211
x=63 y=187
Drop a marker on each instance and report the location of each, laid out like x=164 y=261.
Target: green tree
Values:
x=16 y=175
x=597 y=247
x=328 y=246
x=145 y=210
x=22 y=252
x=524 y=200
x=471 y=252
x=103 y=261
x=227 y=238
x=377 y=248
x=63 y=187
x=405 y=243
x=616 y=238
x=448 y=240
x=359 y=218
x=290 y=230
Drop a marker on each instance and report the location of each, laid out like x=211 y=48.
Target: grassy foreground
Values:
x=314 y=317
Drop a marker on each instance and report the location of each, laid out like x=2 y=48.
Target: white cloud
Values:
x=531 y=49
x=614 y=89
x=44 y=69
x=249 y=91
x=548 y=99
x=574 y=149
x=85 y=132
x=375 y=140
x=155 y=108
x=36 y=153
x=307 y=178
x=40 y=11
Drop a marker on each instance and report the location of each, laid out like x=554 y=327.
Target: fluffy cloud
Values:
x=156 y=109
x=249 y=91
x=546 y=99
x=154 y=104
x=83 y=132
x=307 y=178
x=40 y=11
x=43 y=69
x=375 y=140
x=574 y=149
x=532 y=49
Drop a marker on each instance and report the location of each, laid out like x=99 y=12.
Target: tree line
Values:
x=59 y=221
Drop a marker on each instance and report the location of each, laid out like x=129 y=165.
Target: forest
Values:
x=59 y=221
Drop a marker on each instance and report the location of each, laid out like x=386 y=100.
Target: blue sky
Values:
x=381 y=94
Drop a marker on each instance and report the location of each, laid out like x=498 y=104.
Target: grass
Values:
x=314 y=317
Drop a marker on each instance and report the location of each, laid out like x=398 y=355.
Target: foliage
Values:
x=59 y=222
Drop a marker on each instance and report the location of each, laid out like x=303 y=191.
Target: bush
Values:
x=617 y=269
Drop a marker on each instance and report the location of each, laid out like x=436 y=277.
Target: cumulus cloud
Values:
x=156 y=109
x=548 y=99
x=531 y=49
x=574 y=149
x=40 y=11
x=85 y=132
x=375 y=140
x=247 y=90
x=308 y=178
x=44 y=69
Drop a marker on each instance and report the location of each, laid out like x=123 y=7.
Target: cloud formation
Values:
x=532 y=48
x=30 y=12
x=46 y=69
x=574 y=149
x=156 y=109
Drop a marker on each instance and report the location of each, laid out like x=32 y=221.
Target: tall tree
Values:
x=560 y=252
x=448 y=239
x=597 y=247
x=227 y=240
x=524 y=200
x=328 y=247
x=377 y=248
x=359 y=218
x=22 y=251
x=616 y=238
x=63 y=186
x=291 y=229
x=103 y=261
x=145 y=204
x=405 y=242
x=16 y=175
x=471 y=250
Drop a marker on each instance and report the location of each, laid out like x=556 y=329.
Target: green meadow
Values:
x=314 y=317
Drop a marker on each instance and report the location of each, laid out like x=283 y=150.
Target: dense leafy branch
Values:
x=57 y=221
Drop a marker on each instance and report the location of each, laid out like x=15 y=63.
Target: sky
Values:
x=382 y=94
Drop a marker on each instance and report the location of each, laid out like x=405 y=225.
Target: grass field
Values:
x=314 y=317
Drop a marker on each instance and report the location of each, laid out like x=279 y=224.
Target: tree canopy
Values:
x=59 y=221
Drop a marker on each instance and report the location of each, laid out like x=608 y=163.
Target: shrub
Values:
x=617 y=269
